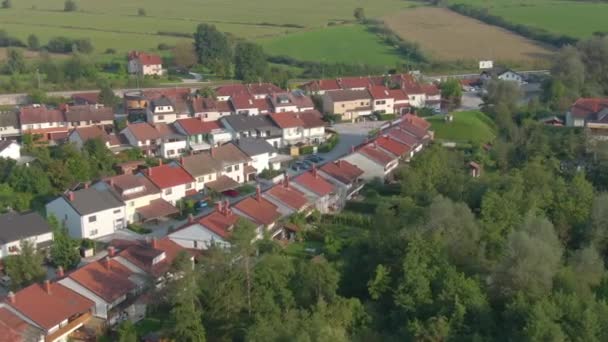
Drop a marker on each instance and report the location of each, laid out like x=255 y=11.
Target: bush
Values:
x=141 y=12
x=163 y=46
x=6 y=40
x=70 y=6
x=138 y=228
x=110 y=51
x=306 y=150
x=385 y=117
x=330 y=144
x=269 y=174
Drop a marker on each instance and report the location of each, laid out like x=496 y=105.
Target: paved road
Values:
x=351 y=134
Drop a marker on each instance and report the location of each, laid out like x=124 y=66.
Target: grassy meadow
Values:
x=469 y=126
x=578 y=19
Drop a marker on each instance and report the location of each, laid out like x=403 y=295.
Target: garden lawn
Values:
x=471 y=126
x=351 y=44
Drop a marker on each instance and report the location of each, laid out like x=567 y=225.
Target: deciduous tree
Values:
x=249 y=62
x=26 y=267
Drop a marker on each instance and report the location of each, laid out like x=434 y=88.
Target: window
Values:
x=92 y=218
x=161 y=117
x=228 y=169
x=131 y=204
x=188 y=186
x=362 y=103
x=168 y=192
x=267 y=133
x=205 y=115
x=195 y=244
x=201 y=179
x=236 y=167
x=93 y=232
x=117 y=211
x=170 y=152
x=343 y=105
x=238 y=178
x=210 y=177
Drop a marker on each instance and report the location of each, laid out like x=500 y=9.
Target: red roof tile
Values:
x=145 y=58
x=343 y=171
x=312 y=119
x=170 y=93
x=288 y=195
x=106 y=278
x=416 y=120
x=142 y=255
x=380 y=92
x=374 y=153
x=193 y=126
x=12 y=327
x=231 y=90
x=585 y=107
x=168 y=175
x=88 y=113
x=315 y=183
x=259 y=209
x=430 y=89
x=322 y=85
x=263 y=88
x=287 y=120
x=220 y=223
x=393 y=146
x=354 y=82
x=403 y=136
x=242 y=101
x=144 y=131
x=398 y=94
x=49 y=309
x=416 y=131
x=42 y=114
x=87 y=98
x=262 y=104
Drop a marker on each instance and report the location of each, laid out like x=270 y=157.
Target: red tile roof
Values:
x=584 y=107
x=430 y=89
x=88 y=113
x=91 y=132
x=42 y=114
x=398 y=95
x=288 y=195
x=392 y=146
x=403 y=136
x=231 y=90
x=171 y=93
x=142 y=255
x=380 y=92
x=315 y=183
x=375 y=154
x=259 y=209
x=242 y=101
x=220 y=223
x=144 y=131
x=343 y=171
x=415 y=130
x=312 y=119
x=263 y=88
x=416 y=120
x=88 y=98
x=49 y=309
x=287 y=120
x=145 y=58
x=193 y=126
x=354 y=82
x=106 y=278
x=262 y=104
x=322 y=85
x=12 y=327
x=168 y=175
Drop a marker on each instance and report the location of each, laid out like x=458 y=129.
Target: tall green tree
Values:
x=126 y=332
x=64 y=251
x=107 y=97
x=212 y=48
x=25 y=268
x=70 y=6
x=15 y=62
x=451 y=91
x=249 y=62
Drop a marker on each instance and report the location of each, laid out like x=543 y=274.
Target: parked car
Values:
x=231 y=193
x=315 y=159
x=200 y=205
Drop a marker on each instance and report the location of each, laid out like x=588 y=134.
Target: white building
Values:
x=173 y=181
x=15 y=227
x=141 y=63
x=10 y=150
x=211 y=230
x=374 y=162
x=260 y=152
x=89 y=213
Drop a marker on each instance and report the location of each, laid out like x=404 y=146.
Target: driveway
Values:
x=351 y=134
x=470 y=101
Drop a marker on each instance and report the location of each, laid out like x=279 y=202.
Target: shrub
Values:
x=330 y=144
x=141 y=12
x=163 y=46
x=138 y=228
x=306 y=150
x=70 y=6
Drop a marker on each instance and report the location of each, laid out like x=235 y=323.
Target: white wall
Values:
x=132 y=205
x=371 y=170
x=386 y=107
x=4 y=249
x=260 y=162
x=61 y=126
x=67 y=215
x=176 y=148
x=13 y=151
x=321 y=202
x=107 y=222
x=236 y=172
x=177 y=192
x=203 y=237
x=204 y=179
x=101 y=307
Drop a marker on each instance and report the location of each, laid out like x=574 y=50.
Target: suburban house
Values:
x=418 y=127
x=259 y=126
x=88 y=115
x=503 y=74
x=16 y=227
x=159 y=139
x=211 y=230
x=203 y=168
x=10 y=149
x=262 y=154
x=89 y=213
x=383 y=101
x=354 y=83
x=166 y=110
x=80 y=135
x=320 y=192
x=260 y=211
x=263 y=90
x=394 y=147
x=45 y=123
x=9 y=125
x=258 y=91
x=51 y=307
x=14 y=328
x=288 y=199
x=305 y=127
x=137 y=102
x=346 y=176
x=246 y=104
x=282 y=102
x=142 y=63
x=201 y=135
x=320 y=87
x=142 y=198
x=210 y=109
x=375 y=162
x=88 y=98
x=349 y=104
x=591 y=113
x=172 y=180
x=401 y=101
x=234 y=163
x=108 y=284
x=225 y=92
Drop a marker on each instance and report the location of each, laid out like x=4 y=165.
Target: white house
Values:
x=383 y=101
x=258 y=126
x=321 y=192
x=211 y=230
x=502 y=74
x=374 y=162
x=208 y=109
x=260 y=152
x=203 y=168
x=10 y=150
x=89 y=213
x=172 y=180
x=16 y=227
x=165 y=110
x=9 y=124
x=142 y=63
x=304 y=127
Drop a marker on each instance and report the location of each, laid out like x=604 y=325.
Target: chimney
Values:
x=190 y=218
x=71 y=196
x=227 y=210
x=111 y=251
x=155 y=242
x=258 y=193
x=59 y=273
x=106 y=263
x=286 y=180
x=149 y=171
x=47 y=286
x=11 y=297
x=219 y=207
x=213 y=152
x=314 y=170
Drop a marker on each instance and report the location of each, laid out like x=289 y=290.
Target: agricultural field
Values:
x=469 y=127
x=116 y=23
x=344 y=43
x=446 y=35
x=578 y=19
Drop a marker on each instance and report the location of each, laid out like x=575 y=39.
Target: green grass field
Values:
x=577 y=19
x=344 y=43
x=115 y=24
x=471 y=126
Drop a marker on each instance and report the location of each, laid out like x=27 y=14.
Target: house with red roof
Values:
x=166 y=109
x=317 y=189
x=374 y=161
x=287 y=198
x=246 y=104
x=260 y=211
x=210 y=230
x=47 y=124
x=51 y=308
x=201 y=135
x=591 y=113
x=394 y=147
x=319 y=87
x=354 y=83
x=88 y=98
x=142 y=63
x=349 y=104
x=108 y=284
x=383 y=101
x=14 y=328
x=401 y=101
x=300 y=127
x=155 y=139
x=346 y=176
x=173 y=181
x=210 y=109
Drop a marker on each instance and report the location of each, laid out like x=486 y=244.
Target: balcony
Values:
x=69 y=328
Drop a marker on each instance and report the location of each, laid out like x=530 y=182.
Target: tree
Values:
x=249 y=62
x=500 y=92
x=243 y=249
x=15 y=62
x=359 y=14
x=126 y=332
x=64 y=251
x=141 y=12
x=26 y=267
x=212 y=48
x=79 y=67
x=206 y=91
x=70 y=6
x=185 y=315
x=33 y=43
x=451 y=91
x=7 y=4
x=184 y=55
x=107 y=97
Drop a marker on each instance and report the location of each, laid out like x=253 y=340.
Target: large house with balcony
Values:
x=203 y=168
x=201 y=135
x=166 y=110
x=349 y=104
x=208 y=109
x=260 y=211
x=287 y=198
x=156 y=140
x=262 y=154
x=305 y=127
x=173 y=181
x=89 y=213
x=259 y=126
x=346 y=176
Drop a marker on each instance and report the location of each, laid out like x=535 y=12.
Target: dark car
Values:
x=231 y=193
x=315 y=159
